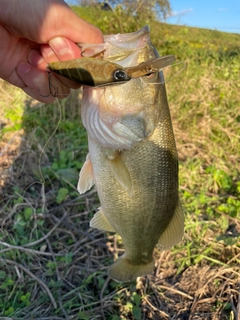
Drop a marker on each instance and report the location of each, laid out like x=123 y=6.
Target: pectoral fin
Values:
x=100 y=221
x=121 y=172
x=86 y=179
x=174 y=231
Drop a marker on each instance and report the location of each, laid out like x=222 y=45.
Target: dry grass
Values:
x=63 y=262
x=53 y=266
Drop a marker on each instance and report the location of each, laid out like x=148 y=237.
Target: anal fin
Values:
x=174 y=231
x=86 y=179
x=100 y=222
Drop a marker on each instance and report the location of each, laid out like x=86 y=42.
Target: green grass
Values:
x=53 y=266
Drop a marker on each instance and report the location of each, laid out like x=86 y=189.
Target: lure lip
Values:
x=150 y=66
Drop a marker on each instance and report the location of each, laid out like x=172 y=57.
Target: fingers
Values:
x=64 y=48
x=37 y=83
x=79 y=30
x=61 y=49
x=63 y=21
x=42 y=85
x=52 y=23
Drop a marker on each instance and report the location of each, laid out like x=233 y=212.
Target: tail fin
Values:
x=124 y=270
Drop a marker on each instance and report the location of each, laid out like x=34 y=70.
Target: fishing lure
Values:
x=95 y=72
x=89 y=71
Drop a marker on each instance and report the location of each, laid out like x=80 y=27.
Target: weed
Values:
x=52 y=265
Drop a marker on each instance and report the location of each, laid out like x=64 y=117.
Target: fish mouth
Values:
x=130 y=40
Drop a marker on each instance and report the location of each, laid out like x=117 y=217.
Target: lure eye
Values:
x=120 y=75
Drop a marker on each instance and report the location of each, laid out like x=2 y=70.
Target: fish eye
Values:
x=120 y=75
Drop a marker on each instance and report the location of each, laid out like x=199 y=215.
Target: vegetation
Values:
x=53 y=266
x=138 y=9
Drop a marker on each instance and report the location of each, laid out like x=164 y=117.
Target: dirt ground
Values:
x=180 y=287
x=199 y=291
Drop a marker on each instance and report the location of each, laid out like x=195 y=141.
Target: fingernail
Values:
x=35 y=58
x=59 y=45
x=48 y=51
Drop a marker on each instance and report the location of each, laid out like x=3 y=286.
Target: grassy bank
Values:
x=53 y=266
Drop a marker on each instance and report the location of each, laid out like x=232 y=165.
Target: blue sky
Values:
x=212 y=14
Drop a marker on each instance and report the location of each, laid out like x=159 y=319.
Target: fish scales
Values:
x=133 y=162
x=147 y=189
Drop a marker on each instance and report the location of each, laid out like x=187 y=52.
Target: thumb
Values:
x=63 y=49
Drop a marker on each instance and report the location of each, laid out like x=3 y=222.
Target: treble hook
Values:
x=52 y=92
x=50 y=85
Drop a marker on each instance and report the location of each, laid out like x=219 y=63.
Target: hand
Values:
x=34 y=33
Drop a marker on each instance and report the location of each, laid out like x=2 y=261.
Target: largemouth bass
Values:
x=132 y=157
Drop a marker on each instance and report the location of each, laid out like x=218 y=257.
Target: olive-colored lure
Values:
x=95 y=72
x=89 y=71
